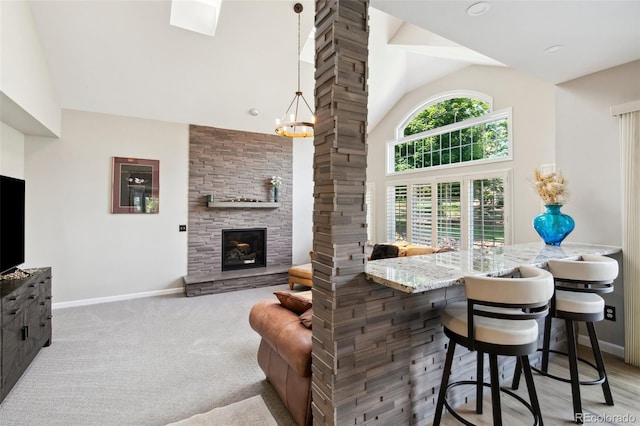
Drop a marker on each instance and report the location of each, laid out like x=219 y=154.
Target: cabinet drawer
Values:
x=45 y=310
x=9 y=314
x=31 y=294
x=15 y=299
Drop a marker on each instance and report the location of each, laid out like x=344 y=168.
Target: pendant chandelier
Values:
x=295 y=124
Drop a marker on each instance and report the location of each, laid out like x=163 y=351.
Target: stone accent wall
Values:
x=235 y=164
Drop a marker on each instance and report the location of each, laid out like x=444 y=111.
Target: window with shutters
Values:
x=397 y=213
x=421 y=214
x=486 y=212
x=462 y=212
x=428 y=202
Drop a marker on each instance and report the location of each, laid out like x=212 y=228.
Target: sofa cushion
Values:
x=409 y=249
x=293 y=302
x=415 y=249
x=384 y=251
x=307 y=318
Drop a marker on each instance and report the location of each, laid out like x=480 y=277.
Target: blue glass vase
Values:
x=553 y=226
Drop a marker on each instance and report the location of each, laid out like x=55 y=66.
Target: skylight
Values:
x=200 y=16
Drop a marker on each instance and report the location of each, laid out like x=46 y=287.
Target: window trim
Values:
x=441 y=97
x=493 y=116
x=370 y=196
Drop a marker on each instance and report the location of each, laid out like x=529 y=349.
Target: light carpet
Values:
x=252 y=411
x=145 y=362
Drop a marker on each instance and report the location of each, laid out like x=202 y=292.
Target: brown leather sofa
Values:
x=285 y=355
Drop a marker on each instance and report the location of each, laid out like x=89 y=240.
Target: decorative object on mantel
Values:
x=294 y=124
x=241 y=200
x=135 y=185
x=553 y=226
x=276 y=181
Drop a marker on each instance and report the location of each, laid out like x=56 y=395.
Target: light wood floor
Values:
x=555 y=397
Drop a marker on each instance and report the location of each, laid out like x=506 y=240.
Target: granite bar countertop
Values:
x=413 y=274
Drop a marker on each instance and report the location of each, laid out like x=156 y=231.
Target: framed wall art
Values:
x=135 y=186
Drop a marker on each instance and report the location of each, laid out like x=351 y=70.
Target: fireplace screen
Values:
x=244 y=248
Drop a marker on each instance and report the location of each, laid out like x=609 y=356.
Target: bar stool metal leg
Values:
x=533 y=396
x=546 y=345
x=606 y=390
x=480 y=381
x=573 y=370
x=444 y=384
x=495 y=390
x=515 y=383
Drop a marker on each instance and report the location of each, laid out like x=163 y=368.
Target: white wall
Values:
x=11 y=151
x=302 y=241
x=94 y=253
x=24 y=75
x=588 y=149
x=533 y=136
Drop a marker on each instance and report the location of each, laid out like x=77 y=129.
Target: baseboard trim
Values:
x=97 y=300
x=610 y=348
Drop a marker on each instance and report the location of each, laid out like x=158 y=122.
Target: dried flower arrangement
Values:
x=551 y=187
x=276 y=181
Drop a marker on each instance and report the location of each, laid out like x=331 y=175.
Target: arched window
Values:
x=462 y=208
x=453 y=128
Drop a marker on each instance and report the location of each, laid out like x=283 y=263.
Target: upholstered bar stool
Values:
x=577 y=284
x=498 y=318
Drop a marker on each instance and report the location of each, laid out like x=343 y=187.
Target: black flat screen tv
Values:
x=11 y=223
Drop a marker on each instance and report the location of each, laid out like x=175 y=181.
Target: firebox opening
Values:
x=244 y=248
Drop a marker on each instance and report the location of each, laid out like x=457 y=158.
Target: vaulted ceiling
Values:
x=123 y=57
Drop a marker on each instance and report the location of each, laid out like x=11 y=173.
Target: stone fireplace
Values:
x=244 y=248
x=232 y=165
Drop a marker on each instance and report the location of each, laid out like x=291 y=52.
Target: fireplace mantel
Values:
x=243 y=205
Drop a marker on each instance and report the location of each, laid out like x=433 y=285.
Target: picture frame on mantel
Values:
x=135 y=185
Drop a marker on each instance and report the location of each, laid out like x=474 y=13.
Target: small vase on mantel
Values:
x=553 y=226
x=275 y=194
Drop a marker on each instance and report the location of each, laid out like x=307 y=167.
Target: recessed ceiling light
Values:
x=553 y=49
x=478 y=9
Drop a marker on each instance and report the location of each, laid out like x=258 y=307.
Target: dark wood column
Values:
x=339 y=220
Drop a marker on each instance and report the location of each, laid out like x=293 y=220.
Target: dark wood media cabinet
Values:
x=25 y=323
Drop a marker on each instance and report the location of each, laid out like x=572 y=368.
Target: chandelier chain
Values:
x=299 y=51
